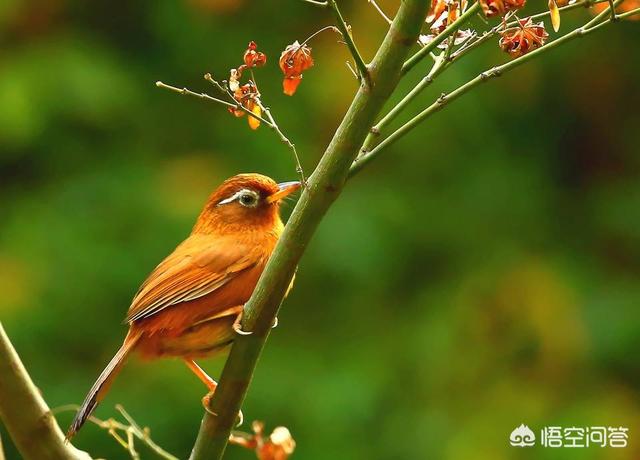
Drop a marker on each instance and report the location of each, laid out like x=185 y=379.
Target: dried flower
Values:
x=234 y=80
x=253 y=58
x=247 y=96
x=524 y=38
x=278 y=446
x=444 y=12
x=492 y=8
x=294 y=60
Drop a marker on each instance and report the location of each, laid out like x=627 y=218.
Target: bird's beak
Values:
x=285 y=189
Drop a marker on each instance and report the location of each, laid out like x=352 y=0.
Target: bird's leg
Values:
x=238 y=328
x=208 y=381
x=201 y=374
x=211 y=385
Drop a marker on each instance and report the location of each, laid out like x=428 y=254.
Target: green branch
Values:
x=345 y=31
x=444 y=61
x=451 y=28
x=29 y=421
x=324 y=186
x=483 y=77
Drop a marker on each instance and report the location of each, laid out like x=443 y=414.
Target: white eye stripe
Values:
x=238 y=195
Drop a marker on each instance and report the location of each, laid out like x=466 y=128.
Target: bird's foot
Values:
x=206 y=403
x=237 y=327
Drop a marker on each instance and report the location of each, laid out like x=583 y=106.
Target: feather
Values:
x=198 y=267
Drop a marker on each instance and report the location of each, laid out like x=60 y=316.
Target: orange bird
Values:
x=190 y=305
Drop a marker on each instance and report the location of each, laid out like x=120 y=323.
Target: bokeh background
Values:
x=482 y=274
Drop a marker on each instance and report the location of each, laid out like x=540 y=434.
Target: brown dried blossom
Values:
x=254 y=58
x=278 y=446
x=247 y=96
x=523 y=38
x=444 y=12
x=294 y=60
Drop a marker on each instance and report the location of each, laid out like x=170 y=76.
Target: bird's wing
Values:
x=198 y=267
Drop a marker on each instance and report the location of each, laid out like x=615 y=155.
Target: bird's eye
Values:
x=248 y=199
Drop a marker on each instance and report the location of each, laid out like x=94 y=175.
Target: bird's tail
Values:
x=102 y=385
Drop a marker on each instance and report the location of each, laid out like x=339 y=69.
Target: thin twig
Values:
x=363 y=70
x=205 y=96
x=132 y=431
x=352 y=70
x=494 y=30
x=603 y=14
x=483 y=77
x=313 y=35
x=2 y=457
x=317 y=3
x=269 y=121
x=432 y=45
x=441 y=64
x=284 y=140
x=379 y=10
x=612 y=9
x=629 y=13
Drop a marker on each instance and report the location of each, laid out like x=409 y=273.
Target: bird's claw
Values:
x=206 y=403
x=238 y=329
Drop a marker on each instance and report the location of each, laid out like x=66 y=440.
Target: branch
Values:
x=206 y=97
x=451 y=28
x=345 y=31
x=325 y=185
x=29 y=421
x=269 y=121
x=379 y=10
x=443 y=62
x=285 y=140
x=483 y=77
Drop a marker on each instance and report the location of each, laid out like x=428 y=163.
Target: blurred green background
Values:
x=482 y=274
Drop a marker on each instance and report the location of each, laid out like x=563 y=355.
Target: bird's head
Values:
x=245 y=202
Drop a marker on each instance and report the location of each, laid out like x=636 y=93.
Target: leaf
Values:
x=555 y=15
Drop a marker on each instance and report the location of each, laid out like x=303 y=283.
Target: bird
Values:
x=190 y=306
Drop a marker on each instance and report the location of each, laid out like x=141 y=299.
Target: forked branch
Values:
x=446 y=98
